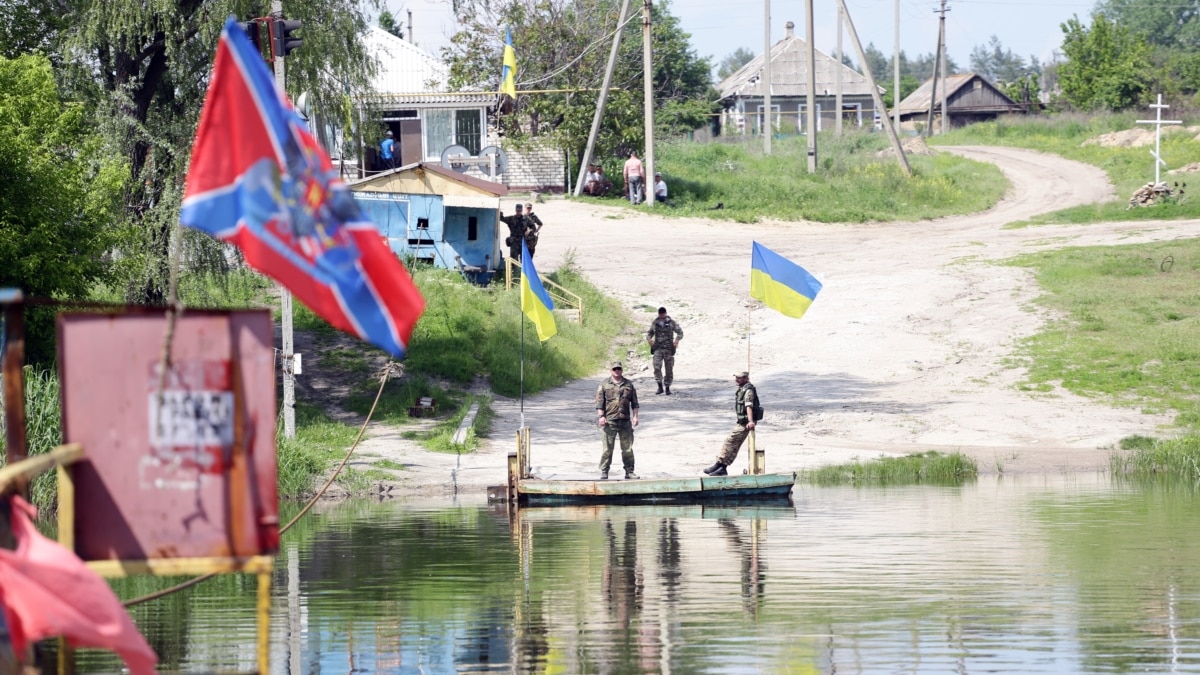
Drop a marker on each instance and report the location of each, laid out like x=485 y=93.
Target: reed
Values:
x=927 y=468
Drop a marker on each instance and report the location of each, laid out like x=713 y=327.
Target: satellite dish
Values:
x=452 y=156
x=501 y=159
x=302 y=106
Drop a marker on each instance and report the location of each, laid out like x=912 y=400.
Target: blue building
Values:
x=438 y=216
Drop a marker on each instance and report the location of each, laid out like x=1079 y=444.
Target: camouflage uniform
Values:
x=517 y=227
x=663 y=333
x=616 y=401
x=533 y=227
x=745 y=399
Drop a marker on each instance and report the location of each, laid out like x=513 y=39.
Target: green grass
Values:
x=853 y=183
x=1127 y=168
x=1128 y=329
x=319 y=442
x=440 y=437
x=43 y=432
x=928 y=468
x=1148 y=457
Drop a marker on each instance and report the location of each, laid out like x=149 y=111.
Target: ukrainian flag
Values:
x=535 y=301
x=780 y=283
x=508 y=82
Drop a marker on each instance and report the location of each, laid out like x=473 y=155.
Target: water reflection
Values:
x=1039 y=574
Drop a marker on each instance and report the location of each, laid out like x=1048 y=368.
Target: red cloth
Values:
x=46 y=591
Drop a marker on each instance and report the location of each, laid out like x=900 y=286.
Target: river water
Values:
x=1012 y=574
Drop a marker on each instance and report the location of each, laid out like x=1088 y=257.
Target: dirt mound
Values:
x=1138 y=137
x=913 y=145
x=1187 y=168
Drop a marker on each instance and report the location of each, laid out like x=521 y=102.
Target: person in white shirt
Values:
x=660 y=188
x=591 y=182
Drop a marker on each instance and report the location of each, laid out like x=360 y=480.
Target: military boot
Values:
x=668 y=392
x=629 y=475
x=603 y=475
x=714 y=468
x=720 y=471
x=660 y=388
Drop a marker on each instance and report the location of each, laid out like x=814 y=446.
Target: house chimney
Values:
x=791 y=29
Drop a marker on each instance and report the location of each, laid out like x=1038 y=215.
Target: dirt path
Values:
x=903 y=351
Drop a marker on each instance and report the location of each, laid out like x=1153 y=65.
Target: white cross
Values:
x=1158 y=121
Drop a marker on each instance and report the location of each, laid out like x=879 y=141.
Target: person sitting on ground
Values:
x=660 y=188
x=604 y=183
x=591 y=182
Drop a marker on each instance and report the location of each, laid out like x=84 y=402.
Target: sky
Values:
x=718 y=27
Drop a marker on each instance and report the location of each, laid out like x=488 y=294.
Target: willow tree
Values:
x=144 y=69
x=562 y=49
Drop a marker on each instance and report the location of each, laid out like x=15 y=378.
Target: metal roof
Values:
x=789 y=73
x=918 y=101
x=409 y=75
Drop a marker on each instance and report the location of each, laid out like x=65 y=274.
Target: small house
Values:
x=438 y=216
x=970 y=98
x=743 y=92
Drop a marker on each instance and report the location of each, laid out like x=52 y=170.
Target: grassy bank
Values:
x=1127 y=168
x=853 y=183
x=928 y=468
x=1128 y=333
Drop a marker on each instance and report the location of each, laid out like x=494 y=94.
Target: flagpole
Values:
x=749 y=325
x=522 y=372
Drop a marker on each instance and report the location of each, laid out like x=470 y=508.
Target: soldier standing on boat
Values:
x=744 y=402
x=664 y=336
x=617 y=406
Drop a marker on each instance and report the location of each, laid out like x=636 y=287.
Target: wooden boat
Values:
x=525 y=489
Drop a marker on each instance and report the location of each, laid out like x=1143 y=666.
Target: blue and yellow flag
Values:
x=780 y=283
x=508 y=82
x=535 y=301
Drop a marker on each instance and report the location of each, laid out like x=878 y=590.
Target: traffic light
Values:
x=282 y=41
x=259 y=35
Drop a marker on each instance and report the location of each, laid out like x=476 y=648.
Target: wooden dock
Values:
x=525 y=489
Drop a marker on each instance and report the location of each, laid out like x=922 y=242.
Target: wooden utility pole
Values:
x=896 y=75
x=933 y=83
x=875 y=97
x=608 y=73
x=942 y=56
x=766 y=77
x=285 y=296
x=837 y=125
x=648 y=93
x=811 y=88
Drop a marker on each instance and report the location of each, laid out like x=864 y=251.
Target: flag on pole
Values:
x=508 y=82
x=535 y=301
x=260 y=181
x=46 y=590
x=780 y=283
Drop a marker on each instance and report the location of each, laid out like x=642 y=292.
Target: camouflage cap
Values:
x=744 y=373
x=616 y=365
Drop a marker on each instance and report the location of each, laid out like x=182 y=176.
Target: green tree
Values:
x=59 y=192
x=1169 y=25
x=1106 y=66
x=563 y=46
x=144 y=68
x=388 y=22
x=735 y=60
x=998 y=64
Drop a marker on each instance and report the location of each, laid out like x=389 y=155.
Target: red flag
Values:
x=46 y=591
x=259 y=180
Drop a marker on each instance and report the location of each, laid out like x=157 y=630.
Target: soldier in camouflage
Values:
x=664 y=336
x=617 y=406
x=744 y=401
x=517 y=227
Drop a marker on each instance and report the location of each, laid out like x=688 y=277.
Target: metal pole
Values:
x=765 y=129
x=285 y=296
x=811 y=88
x=648 y=94
x=608 y=73
x=837 y=125
x=875 y=97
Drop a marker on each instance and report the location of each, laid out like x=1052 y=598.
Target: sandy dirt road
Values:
x=904 y=350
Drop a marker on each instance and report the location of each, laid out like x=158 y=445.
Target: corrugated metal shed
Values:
x=789 y=73
x=966 y=93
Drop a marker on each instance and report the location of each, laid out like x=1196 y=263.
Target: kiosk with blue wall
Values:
x=438 y=216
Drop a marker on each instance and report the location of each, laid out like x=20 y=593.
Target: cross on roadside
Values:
x=1158 y=121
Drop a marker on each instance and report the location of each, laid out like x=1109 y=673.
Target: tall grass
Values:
x=929 y=468
x=319 y=442
x=1174 y=458
x=43 y=430
x=1068 y=135
x=853 y=183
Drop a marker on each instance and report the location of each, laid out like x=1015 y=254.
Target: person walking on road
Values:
x=635 y=179
x=617 y=407
x=744 y=403
x=664 y=336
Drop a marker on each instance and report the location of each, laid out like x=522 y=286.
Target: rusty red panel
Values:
x=188 y=472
